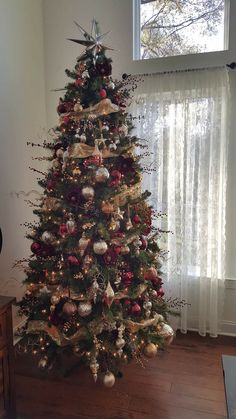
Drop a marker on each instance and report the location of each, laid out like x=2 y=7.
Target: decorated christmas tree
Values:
x=93 y=281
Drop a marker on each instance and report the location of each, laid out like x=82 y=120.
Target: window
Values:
x=167 y=28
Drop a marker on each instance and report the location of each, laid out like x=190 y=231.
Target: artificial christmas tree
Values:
x=93 y=280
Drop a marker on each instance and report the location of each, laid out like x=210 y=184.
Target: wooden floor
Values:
x=185 y=382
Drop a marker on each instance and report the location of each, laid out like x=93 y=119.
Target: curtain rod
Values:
x=232 y=66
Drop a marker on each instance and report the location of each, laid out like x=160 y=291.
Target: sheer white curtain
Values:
x=184 y=118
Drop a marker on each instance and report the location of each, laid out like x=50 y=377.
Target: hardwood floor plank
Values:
x=198 y=392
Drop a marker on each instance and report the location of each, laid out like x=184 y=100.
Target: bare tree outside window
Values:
x=180 y=27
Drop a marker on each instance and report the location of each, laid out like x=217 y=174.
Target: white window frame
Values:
x=200 y=60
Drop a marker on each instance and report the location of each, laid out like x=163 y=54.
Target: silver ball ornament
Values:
x=47 y=237
x=102 y=174
x=88 y=192
x=100 y=247
x=85 y=308
x=109 y=379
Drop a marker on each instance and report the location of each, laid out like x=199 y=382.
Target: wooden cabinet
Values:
x=7 y=387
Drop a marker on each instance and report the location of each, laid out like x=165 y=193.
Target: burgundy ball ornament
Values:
x=63 y=230
x=69 y=308
x=104 y=69
x=136 y=219
x=61 y=108
x=50 y=185
x=72 y=260
x=36 y=248
x=136 y=309
x=144 y=243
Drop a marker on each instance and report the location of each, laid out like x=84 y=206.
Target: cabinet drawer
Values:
x=3 y=333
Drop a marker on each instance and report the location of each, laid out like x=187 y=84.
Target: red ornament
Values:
x=72 y=260
x=79 y=82
x=110 y=257
x=160 y=292
x=103 y=94
x=66 y=120
x=136 y=309
x=126 y=302
x=136 y=219
x=144 y=243
x=127 y=278
x=116 y=174
x=117 y=250
x=63 y=230
x=50 y=185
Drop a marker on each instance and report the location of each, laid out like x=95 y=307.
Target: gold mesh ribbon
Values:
x=133 y=192
x=134 y=327
x=37 y=326
x=81 y=150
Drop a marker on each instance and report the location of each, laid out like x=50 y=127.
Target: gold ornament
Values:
x=109 y=379
x=114 y=225
x=129 y=225
x=76 y=171
x=150 y=350
x=55 y=299
x=83 y=244
x=107 y=207
x=109 y=295
x=124 y=250
x=43 y=363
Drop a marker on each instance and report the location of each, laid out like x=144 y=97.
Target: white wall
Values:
x=22 y=117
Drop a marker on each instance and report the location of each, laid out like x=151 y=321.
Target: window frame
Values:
x=179 y=62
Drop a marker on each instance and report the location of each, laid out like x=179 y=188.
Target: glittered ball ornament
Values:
x=150 y=350
x=109 y=379
x=88 y=192
x=47 y=237
x=102 y=174
x=85 y=308
x=167 y=333
x=69 y=308
x=100 y=247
